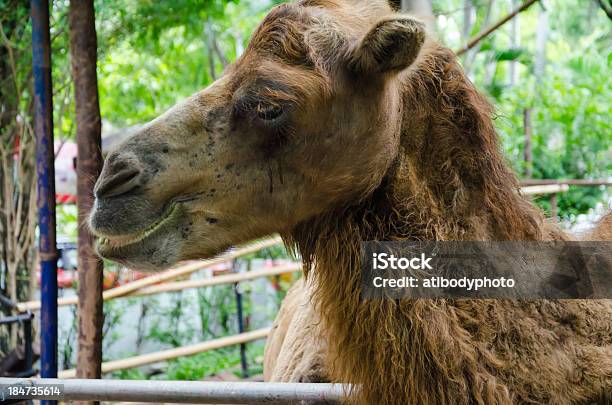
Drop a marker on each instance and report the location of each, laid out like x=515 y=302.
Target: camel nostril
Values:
x=118 y=183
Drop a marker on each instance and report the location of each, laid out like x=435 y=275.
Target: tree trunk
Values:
x=211 y=53
x=83 y=47
x=470 y=55
x=541 y=40
x=421 y=9
x=527 y=154
x=239 y=44
x=515 y=42
x=469 y=16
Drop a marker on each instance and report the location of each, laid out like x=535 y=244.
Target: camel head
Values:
x=307 y=119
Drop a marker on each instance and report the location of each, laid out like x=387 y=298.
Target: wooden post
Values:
x=554 y=208
x=83 y=48
x=527 y=151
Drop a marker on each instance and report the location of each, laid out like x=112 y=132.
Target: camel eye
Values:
x=269 y=112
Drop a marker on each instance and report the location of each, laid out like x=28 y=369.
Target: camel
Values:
x=343 y=122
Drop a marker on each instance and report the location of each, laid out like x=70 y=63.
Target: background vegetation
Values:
x=553 y=60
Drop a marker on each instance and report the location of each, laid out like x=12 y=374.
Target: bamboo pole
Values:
x=164 y=355
x=554 y=205
x=545 y=189
x=165 y=276
x=571 y=182
x=219 y=280
x=527 y=152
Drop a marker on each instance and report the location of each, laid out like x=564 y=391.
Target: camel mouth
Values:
x=107 y=245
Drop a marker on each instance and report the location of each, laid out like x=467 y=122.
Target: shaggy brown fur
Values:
x=343 y=122
x=602 y=230
x=450 y=182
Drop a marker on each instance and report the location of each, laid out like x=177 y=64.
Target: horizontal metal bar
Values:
x=7 y=302
x=203 y=392
x=17 y=318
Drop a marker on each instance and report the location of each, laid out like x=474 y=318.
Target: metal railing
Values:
x=25 y=320
x=203 y=392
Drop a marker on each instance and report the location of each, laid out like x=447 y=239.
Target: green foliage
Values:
x=130 y=374
x=15 y=66
x=158 y=53
x=217 y=307
x=67 y=222
x=113 y=311
x=569 y=99
x=216 y=310
x=202 y=365
x=273 y=252
x=165 y=328
x=571 y=131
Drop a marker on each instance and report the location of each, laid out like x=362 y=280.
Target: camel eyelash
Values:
x=266 y=112
x=269 y=112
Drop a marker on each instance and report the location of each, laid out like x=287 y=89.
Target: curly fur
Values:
x=449 y=182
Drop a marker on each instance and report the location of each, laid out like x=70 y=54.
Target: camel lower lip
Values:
x=107 y=244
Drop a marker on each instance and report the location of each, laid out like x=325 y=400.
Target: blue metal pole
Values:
x=43 y=128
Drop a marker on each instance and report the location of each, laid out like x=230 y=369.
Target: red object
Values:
x=68 y=279
x=65 y=198
x=65 y=278
x=132 y=275
x=16 y=147
x=110 y=280
x=65 y=172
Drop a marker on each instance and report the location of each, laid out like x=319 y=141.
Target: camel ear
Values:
x=391 y=46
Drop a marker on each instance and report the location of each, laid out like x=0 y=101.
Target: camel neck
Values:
x=448 y=182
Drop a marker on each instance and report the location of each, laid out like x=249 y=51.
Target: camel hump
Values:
x=602 y=230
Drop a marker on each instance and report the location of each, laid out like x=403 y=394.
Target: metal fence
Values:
x=203 y=392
